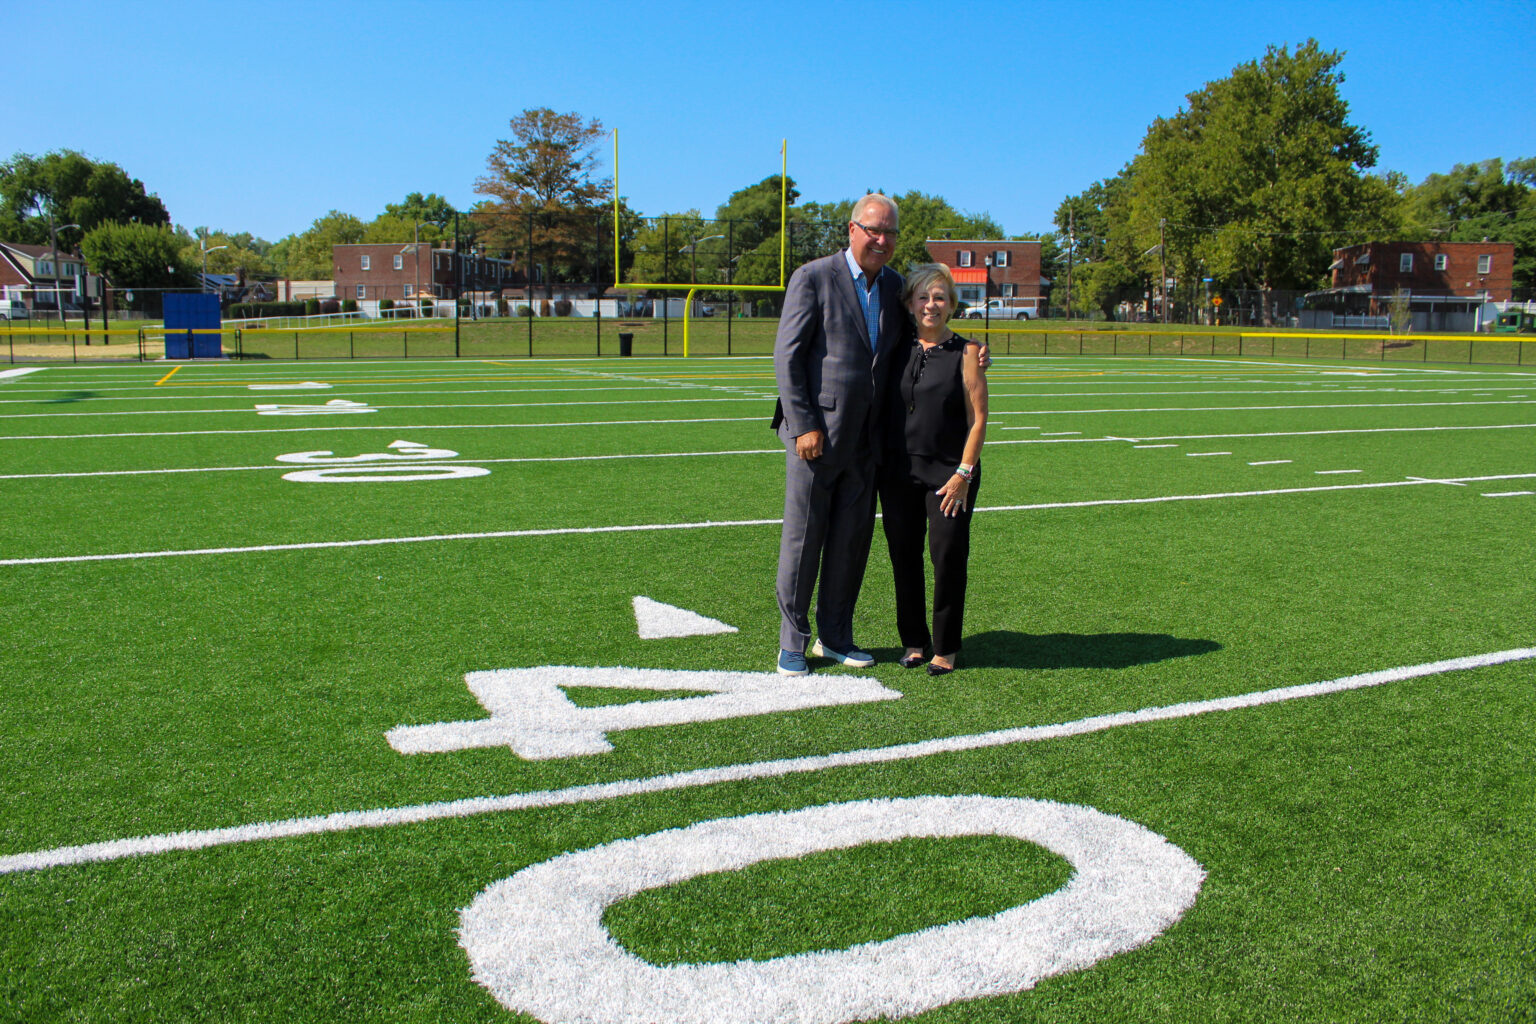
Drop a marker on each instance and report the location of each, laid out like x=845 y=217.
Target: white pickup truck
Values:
x=1004 y=309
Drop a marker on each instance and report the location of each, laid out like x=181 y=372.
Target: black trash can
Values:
x=626 y=344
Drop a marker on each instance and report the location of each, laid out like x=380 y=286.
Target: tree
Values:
x=924 y=216
x=1259 y=178
x=139 y=256
x=307 y=256
x=544 y=193
x=242 y=253
x=76 y=190
x=657 y=259
x=1490 y=199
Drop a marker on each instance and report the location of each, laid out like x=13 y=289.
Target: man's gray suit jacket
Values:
x=828 y=380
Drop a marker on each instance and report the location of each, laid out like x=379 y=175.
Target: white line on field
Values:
x=1201 y=455
x=1506 y=494
x=1336 y=472
x=707 y=524
x=453 y=405
x=458 y=462
x=20 y=371
x=1271 y=462
x=1272 y=433
x=417 y=427
x=1153 y=445
x=346 y=821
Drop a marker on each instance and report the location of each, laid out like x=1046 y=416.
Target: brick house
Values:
x=1445 y=283
x=372 y=272
x=38 y=278
x=991 y=269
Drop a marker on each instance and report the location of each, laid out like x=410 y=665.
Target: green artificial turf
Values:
x=1367 y=854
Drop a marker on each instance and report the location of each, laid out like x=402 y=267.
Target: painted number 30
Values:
x=536 y=939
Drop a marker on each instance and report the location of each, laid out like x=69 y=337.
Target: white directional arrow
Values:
x=656 y=621
x=531 y=714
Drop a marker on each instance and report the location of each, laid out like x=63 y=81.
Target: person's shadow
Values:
x=1007 y=649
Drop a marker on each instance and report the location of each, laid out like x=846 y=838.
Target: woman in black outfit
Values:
x=936 y=421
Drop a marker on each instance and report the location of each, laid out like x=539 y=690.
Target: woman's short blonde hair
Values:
x=921 y=277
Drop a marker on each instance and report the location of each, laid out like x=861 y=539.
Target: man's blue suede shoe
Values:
x=854 y=658
x=792 y=663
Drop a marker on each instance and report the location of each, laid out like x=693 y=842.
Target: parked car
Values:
x=1004 y=309
x=14 y=309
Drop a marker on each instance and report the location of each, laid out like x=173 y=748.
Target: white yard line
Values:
x=710 y=524
x=1271 y=433
x=458 y=462
x=414 y=427
x=346 y=821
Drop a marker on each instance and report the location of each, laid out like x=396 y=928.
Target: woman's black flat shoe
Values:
x=938 y=670
x=911 y=661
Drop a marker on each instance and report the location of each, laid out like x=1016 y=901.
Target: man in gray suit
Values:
x=842 y=317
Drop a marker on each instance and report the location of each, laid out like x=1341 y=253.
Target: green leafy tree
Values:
x=925 y=216
x=242 y=253
x=544 y=192
x=307 y=256
x=75 y=189
x=1260 y=177
x=1489 y=199
x=139 y=256
x=657 y=259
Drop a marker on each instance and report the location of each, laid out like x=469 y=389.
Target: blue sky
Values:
x=263 y=117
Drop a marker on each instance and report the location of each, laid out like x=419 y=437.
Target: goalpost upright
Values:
x=692 y=288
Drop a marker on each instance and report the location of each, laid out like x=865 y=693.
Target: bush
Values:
x=563 y=307
x=311 y=307
x=501 y=307
x=386 y=303
x=525 y=310
x=349 y=305
x=330 y=306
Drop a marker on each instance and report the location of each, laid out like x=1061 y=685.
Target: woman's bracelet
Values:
x=964 y=471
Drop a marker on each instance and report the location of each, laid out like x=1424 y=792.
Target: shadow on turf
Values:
x=1006 y=649
x=72 y=396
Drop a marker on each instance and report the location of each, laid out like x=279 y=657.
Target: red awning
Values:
x=969 y=275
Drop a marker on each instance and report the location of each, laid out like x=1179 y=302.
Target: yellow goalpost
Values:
x=691 y=288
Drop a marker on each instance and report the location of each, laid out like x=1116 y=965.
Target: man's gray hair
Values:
x=877 y=199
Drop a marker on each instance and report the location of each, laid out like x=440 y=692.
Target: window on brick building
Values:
x=1404 y=262
x=1485 y=264
x=1000 y=258
x=965 y=257
x=1440 y=260
x=362 y=291
x=1008 y=291
x=365 y=263
x=409 y=293
x=399 y=261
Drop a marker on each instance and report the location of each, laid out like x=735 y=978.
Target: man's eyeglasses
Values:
x=876 y=231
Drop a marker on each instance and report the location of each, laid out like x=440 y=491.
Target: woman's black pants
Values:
x=910 y=510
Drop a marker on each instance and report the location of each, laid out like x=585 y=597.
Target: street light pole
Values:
x=692 y=249
x=53 y=237
x=986 y=291
x=204 y=243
